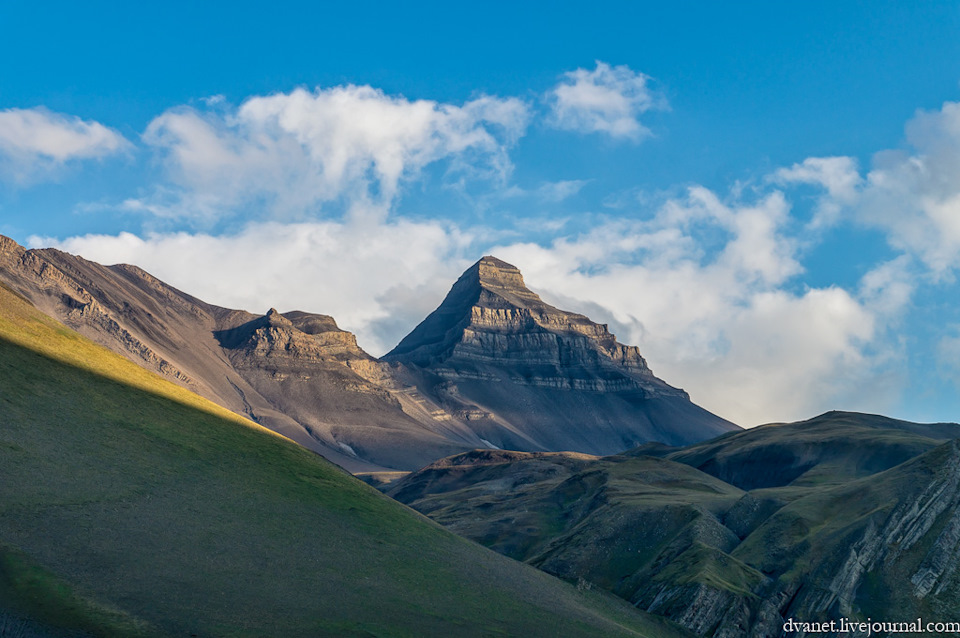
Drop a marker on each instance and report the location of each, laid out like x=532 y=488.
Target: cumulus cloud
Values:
x=294 y=152
x=608 y=99
x=915 y=196
x=36 y=140
x=911 y=194
x=838 y=176
x=709 y=286
x=704 y=290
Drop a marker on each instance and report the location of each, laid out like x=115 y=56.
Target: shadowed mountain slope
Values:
x=132 y=507
x=531 y=377
x=857 y=517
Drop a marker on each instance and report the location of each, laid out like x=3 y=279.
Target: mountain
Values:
x=527 y=376
x=295 y=373
x=845 y=514
x=300 y=375
x=131 y=507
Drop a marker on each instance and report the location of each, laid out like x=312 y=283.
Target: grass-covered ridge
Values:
x=130 y=507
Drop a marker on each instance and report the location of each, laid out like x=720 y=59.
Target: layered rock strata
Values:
x=532 y=377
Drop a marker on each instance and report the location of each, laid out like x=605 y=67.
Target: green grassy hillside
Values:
x=615 y=521
x=859 y=516
x=130 y=507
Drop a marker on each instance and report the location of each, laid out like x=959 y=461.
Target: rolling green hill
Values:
x=131 y=507
x=842 y=515
x=834 y=447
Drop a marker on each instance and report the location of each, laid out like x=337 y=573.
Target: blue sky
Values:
x=765 y=197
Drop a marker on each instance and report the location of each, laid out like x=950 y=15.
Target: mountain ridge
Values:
x=131 y=507
x=299 y=374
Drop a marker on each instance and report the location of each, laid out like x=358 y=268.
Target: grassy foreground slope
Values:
x=131 y=507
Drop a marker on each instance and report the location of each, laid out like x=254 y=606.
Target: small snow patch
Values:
x=486 y=442
x=346 y=448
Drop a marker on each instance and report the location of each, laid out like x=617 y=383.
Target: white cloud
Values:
x=839 y=176
x=36 y=140
x=606 y=100
x=915 y=197
x=548 y=192
x=554 y=192
x=376 y=280
x=350 y=144
x=704 y=290
x=912 y=195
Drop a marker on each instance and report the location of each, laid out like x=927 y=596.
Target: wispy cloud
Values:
x=839 y=176
x=294 y=152
x=608 y=100
x=549 y=192
x=36 y=141
x=948 y=354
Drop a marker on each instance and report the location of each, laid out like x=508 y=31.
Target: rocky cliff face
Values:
x=530 y=376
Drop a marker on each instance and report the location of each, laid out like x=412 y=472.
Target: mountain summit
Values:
x=529 y=376
x=491 y=316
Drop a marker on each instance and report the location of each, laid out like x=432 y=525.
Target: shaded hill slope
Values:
x=532 y=377
x=132 y=507
x=859 y=516
x=835 y=446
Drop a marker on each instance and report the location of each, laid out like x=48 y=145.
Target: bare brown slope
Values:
x=533 y=377
x=297 y=374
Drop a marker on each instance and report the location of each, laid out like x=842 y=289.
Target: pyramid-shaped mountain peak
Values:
x=529 y=376
x=497 y=284
x=490 y=317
